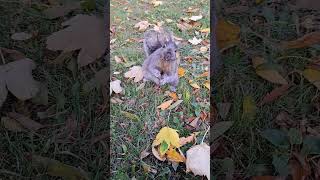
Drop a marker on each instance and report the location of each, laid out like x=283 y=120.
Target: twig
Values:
x=205 y=135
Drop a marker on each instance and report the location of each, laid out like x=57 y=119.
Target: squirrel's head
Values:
x=169 y=50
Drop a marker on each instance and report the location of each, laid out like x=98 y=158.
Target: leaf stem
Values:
x=205 y=135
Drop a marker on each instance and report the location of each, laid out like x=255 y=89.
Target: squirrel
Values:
x=161 y=63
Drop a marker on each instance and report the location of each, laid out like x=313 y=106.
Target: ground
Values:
x=131 y=137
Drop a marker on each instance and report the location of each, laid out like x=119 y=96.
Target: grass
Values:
x=130 y=138
x=251 y=154
x=66 y=100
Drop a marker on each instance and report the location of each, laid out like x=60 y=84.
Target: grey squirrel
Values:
x=161 y=63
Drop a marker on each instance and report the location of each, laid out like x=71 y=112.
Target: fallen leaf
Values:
x=268 y=74
x=168 y=135
x=195 y=123
x=157 y=3
x=274 y=94
x=228 y=34
x=195 y=41
x=61 y=10
x=144 y=154
x=312 y=76
x=135 y=72
x=207 y=84
x=192 y=10
x=183 y=26
x=205 y=74
x=115 y=87
x=223 y=109
x=165 y=105
x=174 y=105
x=56 y=168
x=304 y=41
x=13 y=54
x=196 y=18
x=142 y=25
x=181 y=71
x=194 y=85
x=21 y=36
x=203 y=49
x=157 y=155
x=219 y=129
x=205 y=30
x=25 y=121
x=174 y=156
x=12 y=125
x=130 y=115
x=174 y=96
x=17 y=77
x=118 y=60
x=189 y=139
x=249 y=108
x=84 y=32
x=198 y=160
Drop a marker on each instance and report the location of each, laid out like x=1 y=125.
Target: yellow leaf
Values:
x=268 y=73
x=313 y=76
x=169 y=135
x=249 y=108
x=227 y=34
x=305 y=41
x=181 y=71
x=165 y=105
x=205 y=30
x=194 y=85
x=207 y=84
x=174 y=96
x=174 y=156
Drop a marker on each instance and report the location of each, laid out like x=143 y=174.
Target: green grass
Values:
x=137 y=136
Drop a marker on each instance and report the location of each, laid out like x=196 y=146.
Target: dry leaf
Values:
x=198 y=160
x=174 y=96
x=142 y=25
x=305 y=41
x=135 y=72
x=13 y=54
x=174 y=105
x=115 y=87
x=196 y=18
x=195 y=41
x=144 y=154
x=12 y=125
x=118 y=60
x=195 y=123
x=313 y=76
x=84 y=32
x=267 y=73
x=174 y=156
x=207 y=84
x=21 y=36
x=25 y=121
x=61 y=10
x=168 y=135
x=157 y=3
x=274 y=94
x=165 y=105
x=157 y=155
x=203 y=49
x=228 y=34
x=183 y=26
x=205 y=30
x=181 y=72
x=189 y=139
x=56 y=168
x=194 y=85
x=17 y=78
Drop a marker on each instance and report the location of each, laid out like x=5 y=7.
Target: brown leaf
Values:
x=61 y=10
x=84 y=32
x=144 y=154
x=25 y=121
x=142 y=25
x=274 y=94
x=304 y=41
x=189 y=139
x=195 y=123
x=12 y=125
x=135 y=72
x=165 y=104
x=17 y=77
